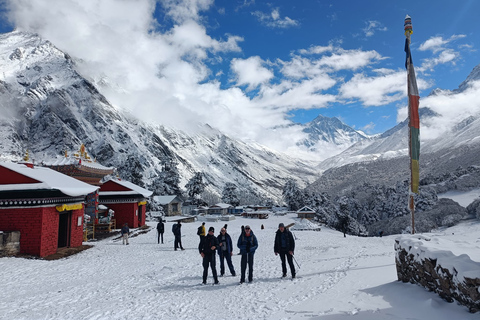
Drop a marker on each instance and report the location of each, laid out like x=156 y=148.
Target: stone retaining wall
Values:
x=9 y=243
x=457 y=280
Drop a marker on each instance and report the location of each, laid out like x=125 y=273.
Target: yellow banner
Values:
x=69 y=207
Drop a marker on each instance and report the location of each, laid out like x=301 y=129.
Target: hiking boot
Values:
x=204 y=282
x=284 y=275
x=293 y=276
x=233 y=274
x=216 y=282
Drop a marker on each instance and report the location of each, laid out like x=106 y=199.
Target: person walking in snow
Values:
x=177 y=232
x=225 y=251
x=285 y=246
x=125 y=231
x=160 y=230
x=247 y=243
x=207 y=248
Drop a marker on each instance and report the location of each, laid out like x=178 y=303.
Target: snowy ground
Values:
x=340 y=278
x=464 y=198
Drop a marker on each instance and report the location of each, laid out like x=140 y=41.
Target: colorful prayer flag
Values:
x=414 y=120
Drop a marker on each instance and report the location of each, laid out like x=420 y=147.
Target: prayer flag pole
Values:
x=413 y=121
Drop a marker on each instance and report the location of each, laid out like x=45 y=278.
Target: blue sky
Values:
x=252 y=67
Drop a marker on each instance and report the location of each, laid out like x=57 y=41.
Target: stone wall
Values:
x=9 y=243
x=457 y=280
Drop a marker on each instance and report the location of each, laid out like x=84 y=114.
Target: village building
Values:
x=172 y=205
x=219 y=209
x=45 y=206
x=259 y=214
x=201 y=210
x=238 y=210
x=127 y=200
x=80 y=166
x=306 y=213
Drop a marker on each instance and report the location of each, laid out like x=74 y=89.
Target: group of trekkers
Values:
x=209 y=245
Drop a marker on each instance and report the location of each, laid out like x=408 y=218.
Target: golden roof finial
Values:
x=82 y=150
x=26 y=157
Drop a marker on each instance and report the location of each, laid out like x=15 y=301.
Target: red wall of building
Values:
x=39 y=228
x=125 y=213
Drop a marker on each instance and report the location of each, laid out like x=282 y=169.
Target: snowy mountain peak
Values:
x=473 y=76
x=331 y=130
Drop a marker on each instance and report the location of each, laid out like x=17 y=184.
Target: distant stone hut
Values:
x=172 y=205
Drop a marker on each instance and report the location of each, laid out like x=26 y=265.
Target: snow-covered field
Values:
x=339 y=278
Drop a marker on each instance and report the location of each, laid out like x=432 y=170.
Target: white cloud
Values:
x=372 y=27
x=437 y=43
x=164 y=77
x=274 y=20
x=184 y=10
x=444 y=55
x=250 y=72
x=387 y=87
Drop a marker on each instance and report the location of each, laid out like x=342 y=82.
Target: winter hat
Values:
x=281 y=225
x=211 y=229
x=203 y=223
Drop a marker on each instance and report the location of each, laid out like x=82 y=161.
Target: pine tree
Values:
x=195 y=187
x=292 y=195
x=229 y=194
x=168 y=180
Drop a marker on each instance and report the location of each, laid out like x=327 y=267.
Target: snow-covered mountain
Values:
x=332 y=131
x=48 y=107
x=393 y=143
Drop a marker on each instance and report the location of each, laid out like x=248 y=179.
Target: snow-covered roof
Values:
x=305 y=209
x=65 y=161
x=164 y=199
x=47 y=179
x=221 y=205
x=133 y=187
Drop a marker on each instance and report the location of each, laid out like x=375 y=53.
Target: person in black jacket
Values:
x=285 y=246
x=225 y=251
x=177 y=231
x=160 y=230
x=206 y=248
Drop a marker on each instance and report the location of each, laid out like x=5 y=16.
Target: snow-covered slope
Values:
x=48 y=107
x=338 y=279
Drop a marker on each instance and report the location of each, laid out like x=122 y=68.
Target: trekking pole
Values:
x=296 y=261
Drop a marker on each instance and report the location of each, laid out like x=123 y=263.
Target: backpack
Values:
x=199 y=231
x=174 y=228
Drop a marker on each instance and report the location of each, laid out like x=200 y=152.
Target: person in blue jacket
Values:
x=225 y=251
x=247 y=243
